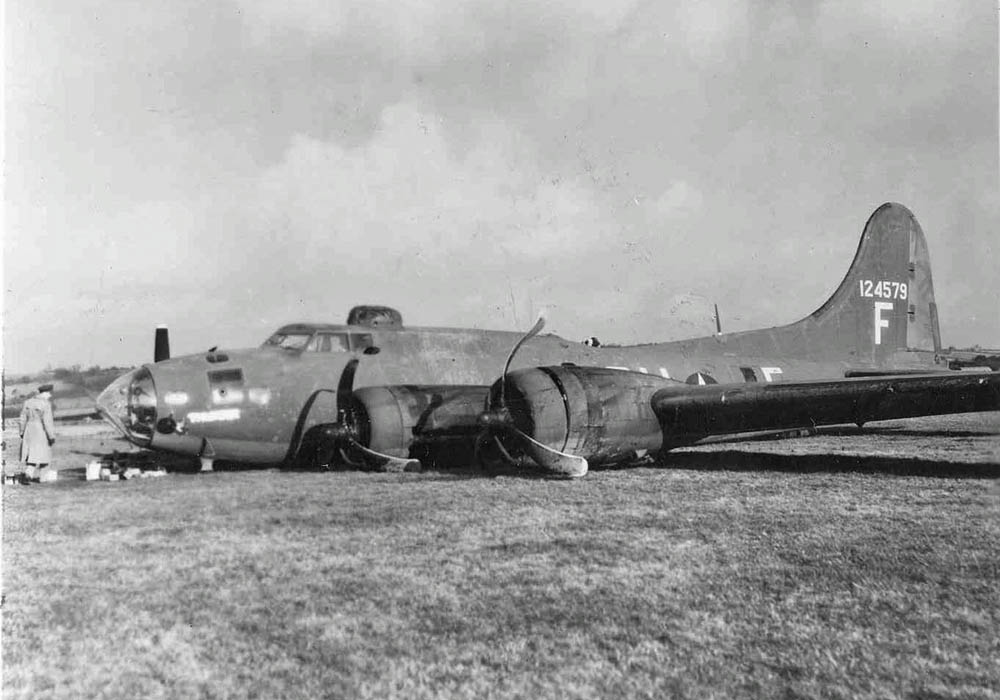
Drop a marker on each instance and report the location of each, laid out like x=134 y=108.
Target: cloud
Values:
x=916 y=21
x=680 y=198
x=709 y=27
x=424 y=31
x=260 y=161
x=406 y=194
x=481 y=235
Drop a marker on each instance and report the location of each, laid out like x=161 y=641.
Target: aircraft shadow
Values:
x=726 y=460
x=735 y=460
x=451 y=472
x=908 y=432
x=849 y=431
x=99 y=455
x=142 y=460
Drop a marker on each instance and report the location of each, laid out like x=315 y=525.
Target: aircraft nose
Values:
x=129 y=403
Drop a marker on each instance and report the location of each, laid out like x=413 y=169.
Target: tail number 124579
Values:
x=883 y=289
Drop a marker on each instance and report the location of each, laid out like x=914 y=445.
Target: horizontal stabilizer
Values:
x=853 y=373
x=690 y=412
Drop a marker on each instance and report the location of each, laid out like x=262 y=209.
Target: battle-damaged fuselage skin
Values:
x=254 y=405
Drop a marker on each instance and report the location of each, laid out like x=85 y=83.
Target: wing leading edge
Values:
x=688 y=413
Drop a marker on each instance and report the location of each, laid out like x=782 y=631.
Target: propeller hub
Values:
x=496 y=418
x=338 y=432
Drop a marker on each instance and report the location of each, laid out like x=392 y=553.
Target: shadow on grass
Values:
x=431 y=472
x=847 y=431
x=726 y=460
x=906 y=432
x=97 y=454
x=735 y=460
x=120 y=461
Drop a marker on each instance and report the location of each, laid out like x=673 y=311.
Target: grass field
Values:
x=858 y=564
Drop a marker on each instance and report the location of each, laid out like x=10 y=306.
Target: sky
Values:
x=226 y=167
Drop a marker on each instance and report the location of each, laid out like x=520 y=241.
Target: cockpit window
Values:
x=288 y=341
x=328 y=342
x=360 y=341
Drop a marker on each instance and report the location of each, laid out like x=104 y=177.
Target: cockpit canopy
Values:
x=288 y=341
x=322 y=337
x=304 y=337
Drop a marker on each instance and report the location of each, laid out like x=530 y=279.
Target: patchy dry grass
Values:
x=871 y=576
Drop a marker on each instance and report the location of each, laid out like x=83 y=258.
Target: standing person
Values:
x=37 y=432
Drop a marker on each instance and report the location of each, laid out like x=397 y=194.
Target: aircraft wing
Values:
x=567 y=418
x=690 y=412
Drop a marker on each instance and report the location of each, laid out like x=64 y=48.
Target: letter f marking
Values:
x=880 y=322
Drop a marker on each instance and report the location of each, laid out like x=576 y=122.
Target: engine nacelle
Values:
x=603 y=415
x=436 y=424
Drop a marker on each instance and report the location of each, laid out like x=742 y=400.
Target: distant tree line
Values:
x=94 y=376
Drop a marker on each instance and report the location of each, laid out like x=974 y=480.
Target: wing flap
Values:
x=689 y=412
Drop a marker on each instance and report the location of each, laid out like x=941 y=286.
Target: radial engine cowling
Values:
x=436 y=424
x=603 y=415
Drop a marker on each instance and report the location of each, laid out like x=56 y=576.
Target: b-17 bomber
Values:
x=376 y=394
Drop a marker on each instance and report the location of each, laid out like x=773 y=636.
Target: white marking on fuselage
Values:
x=643 y=370
x=227 y=395
x=175 y=398
x=623 y=369
x=259 y=396
x=880 y=322
x=664 y=373
x=219 y=415
x=768 y=372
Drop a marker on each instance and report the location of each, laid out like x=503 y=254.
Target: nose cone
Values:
x=113 y=401
x=129 y=404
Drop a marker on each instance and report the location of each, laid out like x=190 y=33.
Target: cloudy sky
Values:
x=225 y=167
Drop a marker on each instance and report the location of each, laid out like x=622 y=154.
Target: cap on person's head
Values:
x=44 y=388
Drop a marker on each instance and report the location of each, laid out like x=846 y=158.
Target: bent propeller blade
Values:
x=555 y=462
x=535 y=330
x=345 y=389
x=352 y=451
x=384 y=462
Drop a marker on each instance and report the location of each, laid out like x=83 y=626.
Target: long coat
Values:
x=37 y=430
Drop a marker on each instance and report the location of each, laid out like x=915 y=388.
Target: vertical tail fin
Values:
x=886 y=302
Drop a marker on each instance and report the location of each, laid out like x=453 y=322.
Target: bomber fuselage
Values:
x=408 y=393
x=249 y=405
